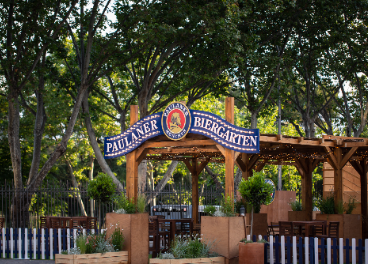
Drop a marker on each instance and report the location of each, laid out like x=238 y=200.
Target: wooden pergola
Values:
x=196 y=151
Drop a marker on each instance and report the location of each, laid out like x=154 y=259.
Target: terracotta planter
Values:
x=109 y=257
x=251 y=253
x=350 y=224
x=135 y=230
x=226 y=232
x=259 y=224
x=217 y=260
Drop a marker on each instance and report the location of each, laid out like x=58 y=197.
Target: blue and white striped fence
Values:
x=289 y=250
x=25 y=243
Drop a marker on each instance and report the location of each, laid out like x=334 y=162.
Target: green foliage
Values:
x=122 y=202
x=256 y=191
x=81 y=242
x=227 y=206
x=326 y=205
x=141 y=203
x=97 y=243
x=350 y=206
x=101 y=188
x=245 y=241
x=210 y=210
x=188 y=247
x=296 y=205
x=117 y=239
x=340 y=207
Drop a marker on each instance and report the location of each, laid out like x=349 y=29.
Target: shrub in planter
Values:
x=102 y=189
x=256 y=192
x=189 y=250
x=95 y=248
x=134 y=222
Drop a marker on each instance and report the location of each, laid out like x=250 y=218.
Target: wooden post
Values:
x=131 y=163
x=306 y=167
x=362 y=167
x=195 y=197
x=229 y=154
x=338 y=177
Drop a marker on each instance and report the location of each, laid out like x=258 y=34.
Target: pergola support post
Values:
x=362 y=168
x=306 y=167
x=337 y=160
x=195 y=169
x=131 y=163
x=229 y=154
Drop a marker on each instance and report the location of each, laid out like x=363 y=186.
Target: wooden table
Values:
x=308 y=225
x=173 y=223
x=67 y=222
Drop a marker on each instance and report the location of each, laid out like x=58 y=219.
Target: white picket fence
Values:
x=36 y=243
x=45 y=243
x=295 y=260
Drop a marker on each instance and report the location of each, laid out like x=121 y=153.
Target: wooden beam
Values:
x=131 y=163
x=295 y=141
x=179 y=143
x=229 y=154
x=200 y=166
x=241 y=164
x=189 y=166
x=253 y=160
x=347 y=156
x=140 y=155
x=221 y=149
x=331 y=158
x=338 y=187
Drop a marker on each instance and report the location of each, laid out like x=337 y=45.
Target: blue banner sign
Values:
x=175 y=122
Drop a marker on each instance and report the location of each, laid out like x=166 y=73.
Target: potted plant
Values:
x=102 y=189
x=189 y=250
x=95 y=248
x=225 y=229
x=350 y=224
x=256 y=192
x=133 y=219
x=296 y=213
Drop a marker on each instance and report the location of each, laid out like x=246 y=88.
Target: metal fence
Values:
x=63 y=200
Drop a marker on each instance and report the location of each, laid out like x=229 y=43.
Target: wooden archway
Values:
x=196 y=151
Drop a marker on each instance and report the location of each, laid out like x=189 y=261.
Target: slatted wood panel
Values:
x=120 y=257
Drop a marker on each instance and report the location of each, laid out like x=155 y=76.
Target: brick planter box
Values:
x=226 y=232
x=135 y=230
x=251 y=253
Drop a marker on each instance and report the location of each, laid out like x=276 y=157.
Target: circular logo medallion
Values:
x=269 y=181
x=176 y=121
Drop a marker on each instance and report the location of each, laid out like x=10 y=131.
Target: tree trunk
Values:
x=75 y=186
x=253 y=120
x=163 y=181
x=92 y=138
x=90 y=176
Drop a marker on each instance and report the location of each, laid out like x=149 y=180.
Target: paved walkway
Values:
x=26 y=261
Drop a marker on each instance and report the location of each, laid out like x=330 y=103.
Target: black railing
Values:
x=21 y=208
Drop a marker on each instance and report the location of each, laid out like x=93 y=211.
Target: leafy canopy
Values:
x=256 y=191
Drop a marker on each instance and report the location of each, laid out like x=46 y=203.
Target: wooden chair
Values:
x=286 y=228
x=319 y=229
x=197 y=229
x=2 y=220
x=43 y=222
x=333 y=230
x=55 y=222
x=154 y=237
x=186 y=228
x=273 y=229
x=91 y=222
